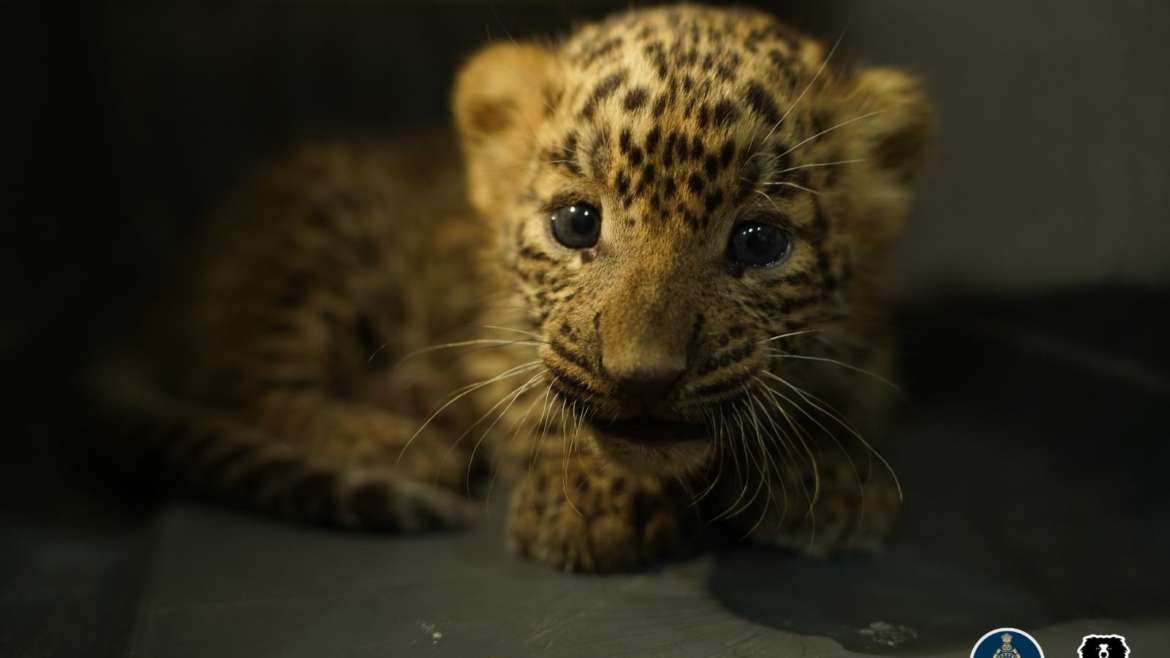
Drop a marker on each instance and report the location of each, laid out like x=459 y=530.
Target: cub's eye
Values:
x=576 y=226
x=754 y=244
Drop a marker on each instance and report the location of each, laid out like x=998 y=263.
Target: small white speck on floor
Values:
x=430 y=628
x=887 y=634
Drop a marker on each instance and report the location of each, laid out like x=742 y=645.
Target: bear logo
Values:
x=1103 y=646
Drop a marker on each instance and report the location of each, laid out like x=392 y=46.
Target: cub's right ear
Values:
x=500 y=100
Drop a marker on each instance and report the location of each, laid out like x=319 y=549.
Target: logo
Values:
x=1103 y=646
x=1010 y=643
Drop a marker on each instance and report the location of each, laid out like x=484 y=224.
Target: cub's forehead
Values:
x=667 y=58
x=678 y=111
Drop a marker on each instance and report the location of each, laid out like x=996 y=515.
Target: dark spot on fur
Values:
x=749 y=178
x=490 y=117
x=313 y=495
x=680 y=149
x=761 y=103
x=371 y=505
x=635 y=99
x=602 y=91
x=713 y=201
x=599 y=155
x=567 y=156
x=695 y=184
x=652 y=139
x=657 y=54
x=725 y=113
x=624 y=141
x=711 y=166
x=660 y=105
x=601 y=50
x=622 y=183
x=727 y=153
x=697 y=150
x=820 y=221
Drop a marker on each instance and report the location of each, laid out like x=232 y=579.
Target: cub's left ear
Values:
x=893 y=143
x=500 y=99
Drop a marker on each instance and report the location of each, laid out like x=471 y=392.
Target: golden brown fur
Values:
x=285 y=372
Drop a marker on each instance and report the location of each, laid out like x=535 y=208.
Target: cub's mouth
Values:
x=645 y=429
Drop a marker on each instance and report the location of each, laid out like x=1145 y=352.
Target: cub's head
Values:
x=674 y=187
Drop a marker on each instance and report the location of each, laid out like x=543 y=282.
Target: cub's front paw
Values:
x=597 y=517
x=851 y=514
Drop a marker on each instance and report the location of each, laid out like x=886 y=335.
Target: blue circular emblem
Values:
x=1007 y=643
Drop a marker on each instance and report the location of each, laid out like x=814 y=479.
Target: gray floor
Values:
x=1032 y=452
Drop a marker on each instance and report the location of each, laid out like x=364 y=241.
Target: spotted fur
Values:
x=677 y=123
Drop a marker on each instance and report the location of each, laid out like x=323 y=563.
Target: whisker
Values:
x=784 y=183
x=515 y=395
x=788 y=335
x=767 y=458
x=769 y=199
x=807 y=87
x=532 y=334
x=376 y=352
x=848 y=366
x=849 y=428
x=542 y=424
x=719 y=468
x=736 y=507
x=739 y=474
x=567 y=455
x=811 y=165
x=463 y=343
x=804 y=442
x=463 y=392
x=849 y=457
x=811 y=513
x=829 y=130
x=512 y=437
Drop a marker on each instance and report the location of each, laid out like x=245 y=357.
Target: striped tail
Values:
x=195 y=449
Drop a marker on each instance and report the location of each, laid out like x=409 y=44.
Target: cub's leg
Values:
x=843 y=504
x=304 y=457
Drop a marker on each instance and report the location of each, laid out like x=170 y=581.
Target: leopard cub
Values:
x=654 y=311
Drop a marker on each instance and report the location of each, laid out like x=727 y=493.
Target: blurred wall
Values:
x=1051 y=167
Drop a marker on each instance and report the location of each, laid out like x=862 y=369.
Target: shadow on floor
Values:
x=1034 y=469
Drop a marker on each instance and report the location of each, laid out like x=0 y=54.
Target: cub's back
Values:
x=308 y=259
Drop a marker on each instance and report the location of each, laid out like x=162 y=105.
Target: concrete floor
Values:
x=1032 y=454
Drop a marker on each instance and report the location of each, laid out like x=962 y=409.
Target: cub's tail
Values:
x=148 y=433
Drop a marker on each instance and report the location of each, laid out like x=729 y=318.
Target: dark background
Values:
x=1042 y=230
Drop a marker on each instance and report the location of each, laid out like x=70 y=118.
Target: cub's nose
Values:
x=648 y=385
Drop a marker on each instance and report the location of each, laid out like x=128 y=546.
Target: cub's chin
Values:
x=653 y=446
